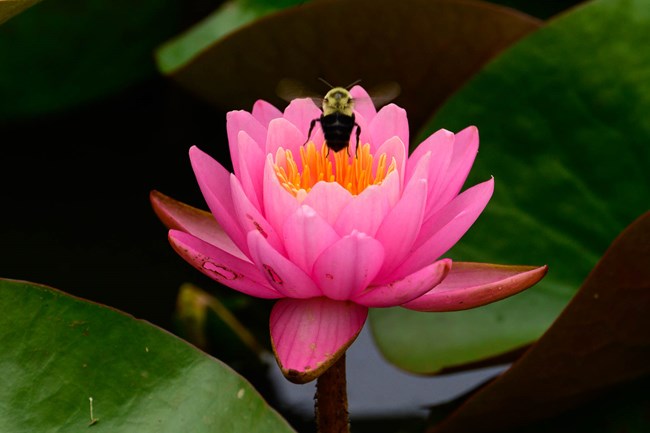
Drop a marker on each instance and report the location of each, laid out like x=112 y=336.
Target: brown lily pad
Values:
x=9 y=8
x=602 y=338
x=429 y=47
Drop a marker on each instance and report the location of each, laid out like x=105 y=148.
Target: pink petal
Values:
x=301 y=112
x=278 y=202
x=306 y=235
x=364 y=135
x=201 y=224
x=390 y=121
x=439 y=144
x=393 y=148
x=310 y=335
x=242 y=121
x=348 y=266
x=282 y=274
x=363 y=103
x=265 y=112
x=251 y=164
x=465 y=150
x=328 y=199
x=283 y=134
x=250 y=218
x=470 y=285
x=446 y=227
x=401 y=226
x=214 y=181
x=364 y=212
x=408 y=288
x=221 y=266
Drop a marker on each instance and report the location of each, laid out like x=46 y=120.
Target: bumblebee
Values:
x=337 y=119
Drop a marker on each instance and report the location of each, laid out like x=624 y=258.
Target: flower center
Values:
x=354 y=173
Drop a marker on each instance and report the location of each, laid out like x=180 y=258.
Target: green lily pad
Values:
x=68 y=52
x=9 y=8
x=601 y=339
x=565 y=132
x=428 y=47
x=58 y=352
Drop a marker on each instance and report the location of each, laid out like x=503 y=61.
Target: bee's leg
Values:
x=356 y=151
x=311 y=128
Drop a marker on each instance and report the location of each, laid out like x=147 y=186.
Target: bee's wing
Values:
x=384 y=93
x=289 y=90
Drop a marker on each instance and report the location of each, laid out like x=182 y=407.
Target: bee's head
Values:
x=338 y=100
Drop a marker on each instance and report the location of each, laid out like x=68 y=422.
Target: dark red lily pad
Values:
x=601 y=339
x=428 y=47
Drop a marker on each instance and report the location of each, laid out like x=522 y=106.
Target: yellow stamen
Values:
x=354 y=173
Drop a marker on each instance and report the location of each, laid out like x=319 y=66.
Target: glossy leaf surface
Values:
x=565 y=132
x=59 y=351
x=429 y=53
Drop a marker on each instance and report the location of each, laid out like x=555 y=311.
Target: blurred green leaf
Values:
x=601 y=339
x=67 y=52
x=10 y=8
x=228 y=18
x=429 y=47
x=564 y=125
x=59 y=351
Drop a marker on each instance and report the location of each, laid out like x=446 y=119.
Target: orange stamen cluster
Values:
x=354 y=173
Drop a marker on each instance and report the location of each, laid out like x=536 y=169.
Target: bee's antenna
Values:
x=326 y=83
x=354 y=83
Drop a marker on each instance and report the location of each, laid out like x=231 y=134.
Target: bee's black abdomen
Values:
x=337 y=129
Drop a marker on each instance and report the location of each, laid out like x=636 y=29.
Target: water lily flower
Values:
x=331 y=234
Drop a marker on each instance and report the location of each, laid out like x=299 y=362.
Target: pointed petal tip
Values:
x=470 y=285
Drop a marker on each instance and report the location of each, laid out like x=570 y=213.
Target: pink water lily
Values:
x=331 y=234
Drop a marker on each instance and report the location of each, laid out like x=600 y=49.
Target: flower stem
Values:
x=332 y=400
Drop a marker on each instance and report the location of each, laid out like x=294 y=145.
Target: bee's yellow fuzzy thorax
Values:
x=353 y=173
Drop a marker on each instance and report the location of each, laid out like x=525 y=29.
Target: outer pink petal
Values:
x=364 y=213
x=390 y=121
x=328 y=199
x=251 y=164
x=214 y=181
x=408 y=288
x=444 y=229
x=310 y=335
x=306 y=235
x=301 y=112
x=465 y=150
x=393 y=148
x=348 y=266
x=363 y=103
x=284 y=134
x=282 y=274
x=401 y=226
x=179 y=216
x=473 y=201
x=265 y=112
x=470 y=285
x=242 y=121
x=221 y=266
x=250 y=218
x=278 y=202
x=439 y=144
